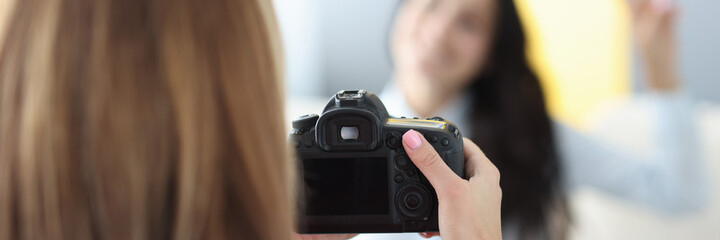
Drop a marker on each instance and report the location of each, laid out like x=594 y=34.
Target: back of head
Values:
x=142 y=119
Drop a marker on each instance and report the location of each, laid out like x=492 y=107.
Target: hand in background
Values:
x=654 y=29
x=467 y=209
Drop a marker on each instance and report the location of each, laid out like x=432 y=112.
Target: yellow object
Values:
x=413 y=123
x=581 y=52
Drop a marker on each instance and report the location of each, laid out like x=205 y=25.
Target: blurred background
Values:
x=344 y=44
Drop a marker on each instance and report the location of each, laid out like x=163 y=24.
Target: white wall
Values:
x=699 y=39
x=336 y=44
x=299 y=22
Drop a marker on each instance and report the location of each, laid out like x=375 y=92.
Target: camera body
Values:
x=355 y=176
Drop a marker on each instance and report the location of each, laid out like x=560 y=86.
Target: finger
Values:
x=634 y=4
x=640 y=8
x=662 y=6
x=476 y=162
x=429 y=162
x=637 y=5
x=429 y=234
x=670 y=17
x=472 y=158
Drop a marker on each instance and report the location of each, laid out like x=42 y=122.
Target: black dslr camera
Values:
x=354 y=174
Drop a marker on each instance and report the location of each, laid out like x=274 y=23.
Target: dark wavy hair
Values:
x=510 y=123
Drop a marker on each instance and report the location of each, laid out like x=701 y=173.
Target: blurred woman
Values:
x=466 y=60
x=131 y=119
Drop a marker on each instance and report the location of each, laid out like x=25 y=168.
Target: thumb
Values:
x=424 y=156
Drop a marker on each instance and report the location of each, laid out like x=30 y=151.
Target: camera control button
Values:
x=402 y=161
x=398 y=178
x=414 y=201
x=393 y=141
x=432 y=138
x=445 y=142
x=305 y=121
x=308 y=142
x=412 y=174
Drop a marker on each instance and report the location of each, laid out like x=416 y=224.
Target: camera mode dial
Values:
x=414 y=201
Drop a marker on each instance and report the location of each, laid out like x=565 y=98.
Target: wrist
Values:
x=663 y=81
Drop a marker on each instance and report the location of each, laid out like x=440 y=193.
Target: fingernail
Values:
x=412 y=139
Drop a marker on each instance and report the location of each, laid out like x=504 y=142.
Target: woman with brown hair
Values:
x=159 y=119
x=126 y=119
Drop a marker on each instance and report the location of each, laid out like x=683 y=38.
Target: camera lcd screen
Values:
x=349 y=186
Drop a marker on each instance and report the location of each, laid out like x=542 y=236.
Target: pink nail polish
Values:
x=412 y=139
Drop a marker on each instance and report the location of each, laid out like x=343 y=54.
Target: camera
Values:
x=354 y=174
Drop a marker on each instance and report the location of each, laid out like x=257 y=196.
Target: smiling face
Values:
x=442 y=44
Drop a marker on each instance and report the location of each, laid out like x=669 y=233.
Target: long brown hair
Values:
x=142 y=119
x=511 y=124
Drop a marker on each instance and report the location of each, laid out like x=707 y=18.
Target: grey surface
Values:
x=300 y=30
x=336 y=44
x=700 y=47
x=356 y=41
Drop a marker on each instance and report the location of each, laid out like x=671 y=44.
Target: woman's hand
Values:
x=654 y=30
x=468 y=209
